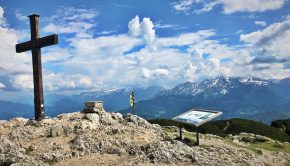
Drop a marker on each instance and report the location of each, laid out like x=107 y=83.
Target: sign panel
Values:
x=197 y=117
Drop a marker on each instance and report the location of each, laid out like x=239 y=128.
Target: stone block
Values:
x=93 y=107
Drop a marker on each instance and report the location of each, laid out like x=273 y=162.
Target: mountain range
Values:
x=243 y=97
x=258 y=99
x=56 y=104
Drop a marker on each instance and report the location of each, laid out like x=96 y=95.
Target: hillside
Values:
x=231 y=126
x=283 y=125
x=112 y=139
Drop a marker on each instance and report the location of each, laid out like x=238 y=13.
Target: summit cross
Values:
x=35 y=45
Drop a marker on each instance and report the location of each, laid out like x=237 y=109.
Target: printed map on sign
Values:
x=197 y=116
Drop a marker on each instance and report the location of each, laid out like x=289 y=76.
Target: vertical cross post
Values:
x=35 y=45
x=37 y=69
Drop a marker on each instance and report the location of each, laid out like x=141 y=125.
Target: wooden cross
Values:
x=35 y=45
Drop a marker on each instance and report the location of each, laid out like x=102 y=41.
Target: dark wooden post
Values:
x=35 y=45
x=197 y=137
x=180 y=132
x=37 y=69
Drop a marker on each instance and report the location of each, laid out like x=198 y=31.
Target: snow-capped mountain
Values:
x=245 y=97
x=220 y=85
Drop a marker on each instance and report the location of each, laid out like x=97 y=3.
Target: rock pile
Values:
x=96 y=137
x=29 y=142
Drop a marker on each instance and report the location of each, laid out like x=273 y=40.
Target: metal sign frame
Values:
x=217 y=113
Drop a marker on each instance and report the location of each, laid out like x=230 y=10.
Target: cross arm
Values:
x=38 y=43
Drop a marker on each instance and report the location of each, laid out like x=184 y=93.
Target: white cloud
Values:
x=185 y=39
x=147 y=73
x=164 y=26
x=72 y=20
x=106 y=32
x=261 y=23
x=272 y=40
x=147 y=31
x=2 y=19
x=2 y=86
x=10 y=62
x=56 y=81
x=134 y=27
x=228 y=6
x=62 y=81
x=232 y=6
x=129 y=59
x=16 y=68
x=206 y=7
x=144 y=29
x=1 y=12
x=20 y=16
x=22 y=81
x=183 y=5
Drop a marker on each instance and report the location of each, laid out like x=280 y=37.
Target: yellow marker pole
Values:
x=132 y=103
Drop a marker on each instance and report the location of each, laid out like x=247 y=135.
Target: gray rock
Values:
x=93 y=107
x=106 y=119
x=137 y=120
x=94 y=118
x=168 y=152
x=236 y=141
x=259 y=138
x=56 y=131
x=117 y=116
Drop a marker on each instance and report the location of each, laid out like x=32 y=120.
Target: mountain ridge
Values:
x=240 y=97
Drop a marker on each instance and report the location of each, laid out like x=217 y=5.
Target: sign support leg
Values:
x=180 y=132
x=197 y=137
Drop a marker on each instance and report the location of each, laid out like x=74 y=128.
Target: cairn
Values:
x=93 y=107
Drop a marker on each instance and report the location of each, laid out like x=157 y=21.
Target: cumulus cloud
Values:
x=134 y=27
x=272 y=40
x=8 y=57
x=2 y=19
x=145 y=29
x=228 y=6
x=16 y=68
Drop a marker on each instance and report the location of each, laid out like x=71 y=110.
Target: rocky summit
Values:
x=103 y=138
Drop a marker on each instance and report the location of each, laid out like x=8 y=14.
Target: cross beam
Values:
x=35 y=45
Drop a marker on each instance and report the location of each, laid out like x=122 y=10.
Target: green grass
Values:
x=190 y=137
x=271 y=147
x=231 y=126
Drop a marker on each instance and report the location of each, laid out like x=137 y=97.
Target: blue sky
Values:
x=115 y=44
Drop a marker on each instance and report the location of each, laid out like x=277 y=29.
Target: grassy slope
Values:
x=232 y=126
